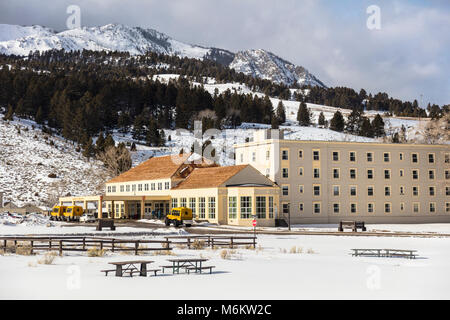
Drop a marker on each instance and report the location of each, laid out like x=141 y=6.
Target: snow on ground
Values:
x=28 y=158
x=323 y=270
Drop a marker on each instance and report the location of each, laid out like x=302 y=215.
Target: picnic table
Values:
x=411 y=254
x=124 y=267
x=188 y=264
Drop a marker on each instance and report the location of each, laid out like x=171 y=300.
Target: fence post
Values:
x=112 y=245
x=84 y=243
x=49 y=244
x=136 y=247
x=189 y=242
x=167 y=244
x=60 y=248
x=212 y=243
x=101 y=244
x=231 y=242
x=31 y=244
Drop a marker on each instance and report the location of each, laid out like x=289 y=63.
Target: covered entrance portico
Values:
x=122 y=207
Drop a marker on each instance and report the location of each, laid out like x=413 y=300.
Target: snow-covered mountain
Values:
x=20 y=40
x=263 y=64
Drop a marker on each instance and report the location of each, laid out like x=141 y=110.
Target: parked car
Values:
x=87 y=217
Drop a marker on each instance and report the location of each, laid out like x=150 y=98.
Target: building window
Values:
x=387 y=208
x=352 y=156
x=267 y=155
x=414 y=158
x=402 y=206
x=386 y=157
x=335 y=156
x=447 y=174
x=146 y=187
x=401 y=173
x=352 y=173
x=316 y=173
x=254 y=156
x=212 y=207
x=447 y=158
x=370 y=208
x=387 y=191
x=353 y=191
x=128 y=188
x=300 y=154
x=432 y=207
x=335 y=207
x=431 y=158
x=300 y=171
x=301 y=189
x=183 y=202
x=415 y=191
x=109 y=189
x=369 y=157
x=139 y=187
x=336 y=191
x=192 y=206
x=300 y=207
x=400 y=156
x=432 y=191
x=402 y=190
x=270 y=207
x=369 y=173
x=174 y=202
x=122 y=188
x=133 y=187
x=285 y=208
x=167 y=185
x=370 y=191
x=159 y=185
x=232 y=207
x=387 y=174
x=447 y=191
x=415 y=207
x=415 y=174
x=113 y=188
x=285 y=173
x=202 y=207
x=242 y=157
x=153 y=186
x=285 y=155
x=431 y=174
x=267 y=172
x=246 y=207
x=336 y=173
x=447 y=207
x=316 y=191
x=261 y=207
x=285 y=190
x=316 y=207
x=316 y=155
x=353 y=207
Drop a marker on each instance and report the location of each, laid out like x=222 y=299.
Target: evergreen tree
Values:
x=354 y=122
x=88 y=149
x=100 y=143
x=303 y=115
x=322 y=121
x=337 y=123
x=378 y=126
x=281 y=114
x=366 y=129
x=109 y=142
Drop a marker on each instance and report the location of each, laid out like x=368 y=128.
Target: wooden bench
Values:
x=354 y=225
x=107 y=271
x=168 y=267
x=188 y=269
x=105 y=223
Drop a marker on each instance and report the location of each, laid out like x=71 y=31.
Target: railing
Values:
x=76 y=243
x=213 y=241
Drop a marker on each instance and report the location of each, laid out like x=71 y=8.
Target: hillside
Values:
x=30 y=158
x=20 y=40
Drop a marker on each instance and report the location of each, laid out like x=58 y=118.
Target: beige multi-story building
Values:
x=326 y=182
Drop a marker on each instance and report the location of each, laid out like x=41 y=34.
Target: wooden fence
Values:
x=213 y=241
x=75 y=243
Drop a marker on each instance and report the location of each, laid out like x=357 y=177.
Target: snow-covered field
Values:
x=323 y=270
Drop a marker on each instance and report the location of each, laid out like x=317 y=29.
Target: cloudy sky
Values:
x=407 y=57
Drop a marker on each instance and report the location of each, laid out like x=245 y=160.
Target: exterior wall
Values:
x=197 y=194
x=401 y=205
x=139 y=188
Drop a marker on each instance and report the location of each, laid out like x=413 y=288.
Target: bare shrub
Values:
x=116 y=159
x=95 y=252
x=310 y=251
x=224 y=254
x=198 y=245
x=24 y=249
x=296 y=249
x=48 y=258
x=164 y=253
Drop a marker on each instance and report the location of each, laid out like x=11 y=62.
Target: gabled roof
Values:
x=157 y=168
x=209 y=177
